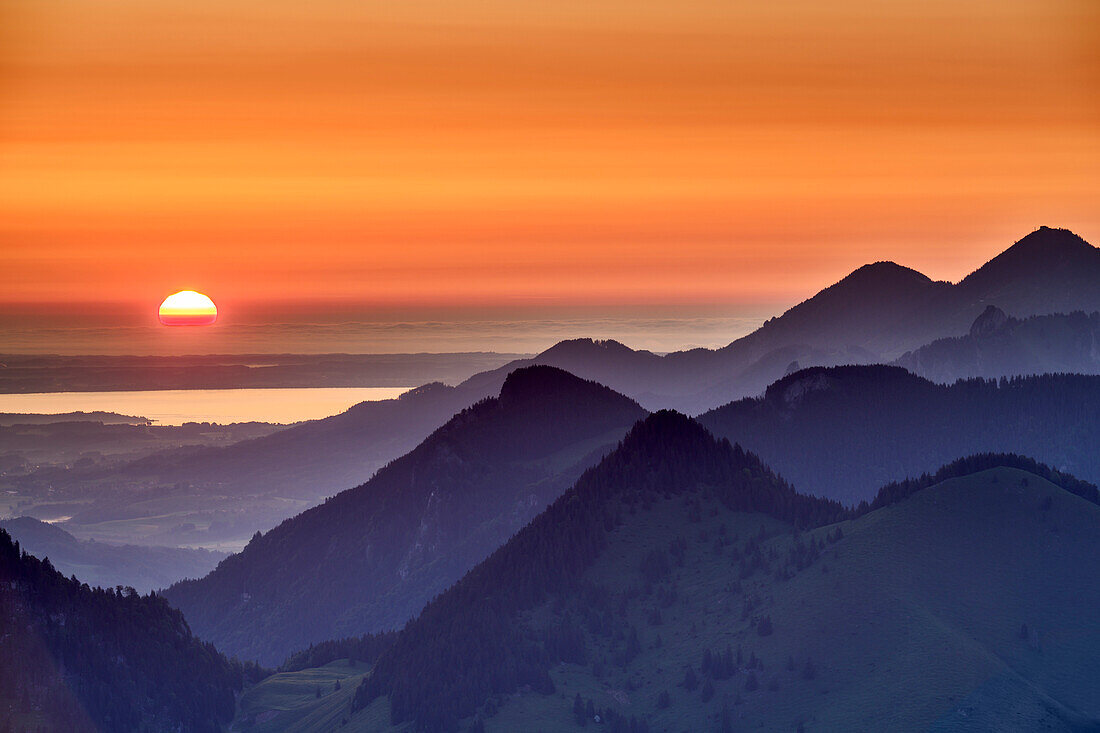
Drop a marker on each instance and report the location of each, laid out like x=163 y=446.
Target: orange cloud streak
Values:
x=498 y=152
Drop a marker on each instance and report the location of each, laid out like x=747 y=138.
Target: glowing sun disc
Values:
x=188 y=308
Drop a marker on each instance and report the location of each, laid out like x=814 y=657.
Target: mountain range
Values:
x=404 y=539
x=876 y=314
x=555 y=556
x=999 y=345
x=880 y=312
x=681 y=585
x=370 y=557
x=842 y=432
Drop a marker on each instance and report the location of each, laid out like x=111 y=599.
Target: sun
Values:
x=188 y=308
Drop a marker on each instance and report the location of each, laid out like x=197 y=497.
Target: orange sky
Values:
x=503 y=152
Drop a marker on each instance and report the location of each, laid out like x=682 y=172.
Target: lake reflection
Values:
x=177 y=406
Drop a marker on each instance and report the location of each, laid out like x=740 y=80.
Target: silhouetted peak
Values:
x=879 y=275
x=541 y=382
x=873 y=293
x=665 y=431
x=1050 y=242
x=586 y=346
x=667 y=421
x=991 y=319
x=793 y=388
x=1044 y=250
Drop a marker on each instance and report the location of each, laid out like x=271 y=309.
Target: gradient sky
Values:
x=501 y=153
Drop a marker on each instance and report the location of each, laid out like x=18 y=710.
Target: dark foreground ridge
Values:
x=898 y=491
x=532 y=605
x=435 y=674
x=91 y=659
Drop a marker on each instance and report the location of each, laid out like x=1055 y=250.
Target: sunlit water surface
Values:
x=178 y=406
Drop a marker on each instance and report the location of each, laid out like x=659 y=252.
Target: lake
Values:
x=177 y=406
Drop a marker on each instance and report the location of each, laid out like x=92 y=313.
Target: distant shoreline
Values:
x=50 y=373
x=227 y=406
x=8 y=419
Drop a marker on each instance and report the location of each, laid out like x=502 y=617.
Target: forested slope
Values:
x=369 y=558
x=843 y=432
x=76 y=658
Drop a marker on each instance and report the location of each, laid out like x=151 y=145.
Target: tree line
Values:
x=90 y=659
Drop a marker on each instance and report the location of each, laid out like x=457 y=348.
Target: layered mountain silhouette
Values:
x=842 y=432
x=310 y=460
x=666 y=466
x=567 y=559
x=1048 y=271
x=998 y=344
x=101 y=564
x=369 y=558
x=681 y=585
x=889 y=309
x=881 y=312
x=876 y=314
x=77 y=658
x=233 y=491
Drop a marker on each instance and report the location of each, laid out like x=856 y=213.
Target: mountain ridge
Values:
x=878 y=312
x=844 y=431
x=369 y=558
x=532 y=620
x=858 y=320
x=666 y=452
x=998 y=344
